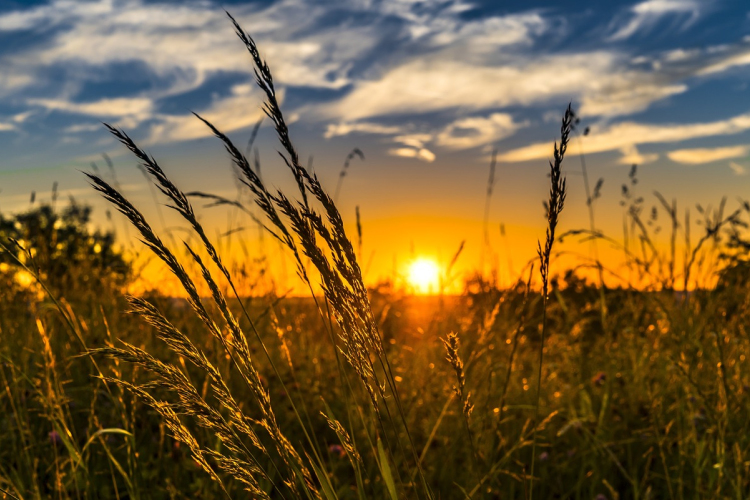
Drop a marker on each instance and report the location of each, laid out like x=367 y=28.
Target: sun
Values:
x=424 y=275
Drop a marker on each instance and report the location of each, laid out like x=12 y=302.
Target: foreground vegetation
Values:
x=571 y=391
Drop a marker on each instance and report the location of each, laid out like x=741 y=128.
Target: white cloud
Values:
x=449 y=64
x=83 y=127
x=414 y=147
x=186 y=42
x=485 y=36
x=425 y=85
x=418 y=153
x=14 y=79
x=176 y=46
x=117 y=107
x=462 y=133
x=644 y=16
x=737 y=168
x=239 y=110
x=698 y=156
x=624 y=135
x=7 y=127
x=602 y=81
x=440 y=24
x=340 y=129
x=477 y=131
x=414 y=140
x=618 y=97
x=741 y=58
x=631 y=156
x=22 y=117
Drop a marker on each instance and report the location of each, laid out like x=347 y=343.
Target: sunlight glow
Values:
x=424 y=276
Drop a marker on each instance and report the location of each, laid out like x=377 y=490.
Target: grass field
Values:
x=553 y=388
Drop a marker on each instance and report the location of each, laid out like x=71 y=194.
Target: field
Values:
x=554 y=388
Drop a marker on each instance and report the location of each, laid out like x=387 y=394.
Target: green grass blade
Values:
x=385 y=471
x=324 y=482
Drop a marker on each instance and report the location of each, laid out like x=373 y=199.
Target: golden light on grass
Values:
x=424 y=275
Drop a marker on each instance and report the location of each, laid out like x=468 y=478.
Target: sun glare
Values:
x=424 y=276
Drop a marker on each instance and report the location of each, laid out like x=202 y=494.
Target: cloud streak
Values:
x=623 y=136
x=444 y=69
x=699 y=156
x=645 y=15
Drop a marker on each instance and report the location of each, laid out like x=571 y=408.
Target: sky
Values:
x=425 y=89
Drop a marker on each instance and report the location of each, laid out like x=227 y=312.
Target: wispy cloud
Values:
x=607 y=83
x=644 y=16
x=631 y=156
x=450 y=70
x=118 y=107
x=413 y=146
x=737 y=168
x=423 y=154
x=623 y=136
x=434 y=84
x=184 y=43
x=477 y=131
x=346 y=128
x=698 y=156
x=238 y=110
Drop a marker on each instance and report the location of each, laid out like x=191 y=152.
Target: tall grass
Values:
x=348 y=394
x=304 y=230
x=557 y=193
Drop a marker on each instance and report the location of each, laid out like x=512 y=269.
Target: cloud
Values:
x=414 y=140
x=412 y=60
x=7 y=127
x=631 y=156
x=699 y=156
x=617 y=97
x=645 y=15
x=737 y=168
x=418 y=153
x=173 y=48
x=477 y=131
x=463 y=133
x=238 y=110
x=414 y=147
x=441 y=24
x=193 y=39
x=83 y=127
x=606 y=83
x=341 y=129
x=622 y=136
x=732 y=60
x=425 y=85
x=485 y=36
x=117 y=107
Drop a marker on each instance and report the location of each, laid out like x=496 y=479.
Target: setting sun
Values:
x=424 y=275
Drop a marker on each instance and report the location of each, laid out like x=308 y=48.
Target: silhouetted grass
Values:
x=347 y=394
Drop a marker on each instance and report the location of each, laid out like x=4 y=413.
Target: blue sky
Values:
x=425 y=88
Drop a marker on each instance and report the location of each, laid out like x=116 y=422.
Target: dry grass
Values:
x=348 y=395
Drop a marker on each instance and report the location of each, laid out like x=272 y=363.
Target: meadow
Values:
x=554 y=388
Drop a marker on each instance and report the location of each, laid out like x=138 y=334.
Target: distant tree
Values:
x=66 y=253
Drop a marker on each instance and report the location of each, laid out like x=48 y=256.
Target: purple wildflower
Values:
x=54 y=438
x=337 y=449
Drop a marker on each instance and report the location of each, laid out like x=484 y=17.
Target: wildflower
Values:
x=55 y=438
x=543 y=456
x=599 y=379
x=337 y=449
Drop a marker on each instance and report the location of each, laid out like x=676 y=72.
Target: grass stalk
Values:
x=555 y=205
